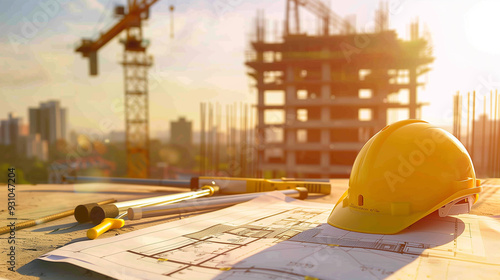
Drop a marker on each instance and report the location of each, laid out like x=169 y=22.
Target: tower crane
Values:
x=135 y=68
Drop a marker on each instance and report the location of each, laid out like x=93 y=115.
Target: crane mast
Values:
x=135 y=69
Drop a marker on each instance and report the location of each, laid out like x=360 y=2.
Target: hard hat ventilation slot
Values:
x=360 y=200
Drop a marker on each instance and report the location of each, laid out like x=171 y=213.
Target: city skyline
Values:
x=205 y=59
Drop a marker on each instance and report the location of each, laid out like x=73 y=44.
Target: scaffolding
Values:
x=228 y=152
x=322 y=96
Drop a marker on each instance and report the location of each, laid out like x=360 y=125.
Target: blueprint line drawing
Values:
x=275 y=237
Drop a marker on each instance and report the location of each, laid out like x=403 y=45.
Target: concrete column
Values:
x=380 y=112
x=260 y=122
x=291 y=92
x=413 y=92
x=290 y=154
x=325 y=110
x=290 y=117
x=325 y=159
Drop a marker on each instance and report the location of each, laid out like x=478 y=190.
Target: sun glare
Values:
x=481 y=26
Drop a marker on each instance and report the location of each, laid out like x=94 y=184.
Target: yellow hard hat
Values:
x=406 y=171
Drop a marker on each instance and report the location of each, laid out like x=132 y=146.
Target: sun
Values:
x=481 y=26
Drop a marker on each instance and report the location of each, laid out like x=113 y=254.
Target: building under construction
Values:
x=322 y=96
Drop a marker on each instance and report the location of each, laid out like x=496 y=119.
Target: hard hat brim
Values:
x=344 y=217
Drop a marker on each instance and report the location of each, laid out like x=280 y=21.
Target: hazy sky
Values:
x=205 y=60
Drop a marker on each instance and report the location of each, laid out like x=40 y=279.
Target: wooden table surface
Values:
x=35 y=201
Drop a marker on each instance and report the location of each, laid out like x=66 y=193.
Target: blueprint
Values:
x=276 y=237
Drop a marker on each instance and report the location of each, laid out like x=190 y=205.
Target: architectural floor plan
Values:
x=274 y=237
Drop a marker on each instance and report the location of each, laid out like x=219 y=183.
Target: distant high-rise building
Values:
x=181 y=132
x=64 y=124
x=49 y=120
x=10 y=130
x=36 y=147
x=14 y=133
x=4 y=131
